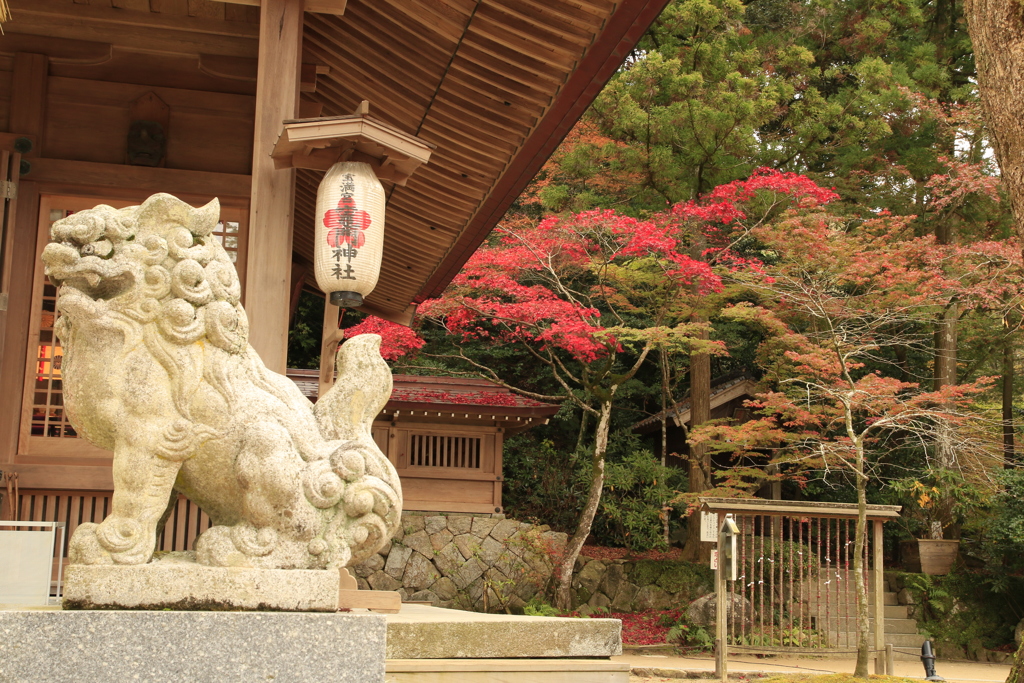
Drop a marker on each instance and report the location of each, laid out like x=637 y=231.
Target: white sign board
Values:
x=26 y=566
x=709 y=527
x=714 y=559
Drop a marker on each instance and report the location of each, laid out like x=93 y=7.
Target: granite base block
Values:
x=422 y=632
x=176 y=581
x=81 y=646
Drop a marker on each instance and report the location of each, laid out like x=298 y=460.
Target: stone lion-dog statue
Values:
x=158 y=369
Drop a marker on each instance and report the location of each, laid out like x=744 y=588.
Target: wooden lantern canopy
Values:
x=322 y=142
x=357 y=151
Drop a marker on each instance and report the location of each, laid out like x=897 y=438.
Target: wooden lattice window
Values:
x=437 y=450
x=45 y=429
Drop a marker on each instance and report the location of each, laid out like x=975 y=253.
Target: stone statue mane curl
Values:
x=158 y=369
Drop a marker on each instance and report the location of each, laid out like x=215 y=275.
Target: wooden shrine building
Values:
x=109 y=101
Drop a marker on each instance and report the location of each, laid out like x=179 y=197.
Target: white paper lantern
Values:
x=349 y=232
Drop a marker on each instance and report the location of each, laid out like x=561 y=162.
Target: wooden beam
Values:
x=321 y=6
x=63 y=176
x=139 y=31
x=268 y=271
x=28 y=106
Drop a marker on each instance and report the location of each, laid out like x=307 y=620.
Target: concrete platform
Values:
x=424 y=632
x=43 y=646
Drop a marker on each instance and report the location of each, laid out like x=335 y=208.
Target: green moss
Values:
x=685 y=577
x=646 y=572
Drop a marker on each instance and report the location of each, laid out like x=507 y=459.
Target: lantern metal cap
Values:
x=347 y=299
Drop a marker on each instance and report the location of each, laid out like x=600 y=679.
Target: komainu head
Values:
x=155 y=263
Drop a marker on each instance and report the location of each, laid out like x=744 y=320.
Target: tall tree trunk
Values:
x=859 y=570
x=666 y=393
x=1017 y=671
x=1009 y=458
x=563 y=593
x=945 y=374
x=997 y=34
x=700 y=460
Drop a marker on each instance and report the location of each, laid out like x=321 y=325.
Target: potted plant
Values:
x=935 y=505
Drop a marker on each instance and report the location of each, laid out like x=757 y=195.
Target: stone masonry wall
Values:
x=637 y=585
x=484 y=563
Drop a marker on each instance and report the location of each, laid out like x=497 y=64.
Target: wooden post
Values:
x=880 y=663
x=329 y=345
x=721 y=616
x=28 y=104
x=271 y=207
x=890 y=660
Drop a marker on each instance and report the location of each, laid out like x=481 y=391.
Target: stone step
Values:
x=902 y=640
x=849 y=625
x=850 y=597
x=891 y=611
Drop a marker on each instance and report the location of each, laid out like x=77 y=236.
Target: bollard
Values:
x=928 y=659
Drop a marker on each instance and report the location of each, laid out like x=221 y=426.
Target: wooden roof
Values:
x=494 y=84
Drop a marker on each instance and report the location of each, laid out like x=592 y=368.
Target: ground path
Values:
x=664 y=667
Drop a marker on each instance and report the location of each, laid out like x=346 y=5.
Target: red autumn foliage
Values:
x=396 y=340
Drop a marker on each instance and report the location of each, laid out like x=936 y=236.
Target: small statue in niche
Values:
x=158 y=369
x=147 y=143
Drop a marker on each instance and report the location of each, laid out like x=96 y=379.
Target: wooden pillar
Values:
x=329 y=342
x=269 y=260
x=880 y=661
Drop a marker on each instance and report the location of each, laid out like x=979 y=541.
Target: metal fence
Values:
x=794 y=589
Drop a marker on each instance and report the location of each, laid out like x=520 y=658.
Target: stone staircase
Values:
x=832 y=606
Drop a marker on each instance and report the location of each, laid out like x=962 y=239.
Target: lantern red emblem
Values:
x=345 y=224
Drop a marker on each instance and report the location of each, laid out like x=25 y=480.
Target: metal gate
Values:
x=795 y=585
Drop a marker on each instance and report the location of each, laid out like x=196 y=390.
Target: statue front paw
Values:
x=85 y=548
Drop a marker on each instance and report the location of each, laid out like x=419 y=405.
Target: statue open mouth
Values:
x=97 y=286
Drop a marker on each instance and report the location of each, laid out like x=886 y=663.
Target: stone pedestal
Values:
x=218 y=647
x=176 y=581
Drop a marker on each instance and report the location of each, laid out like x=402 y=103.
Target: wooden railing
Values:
x=185 y=524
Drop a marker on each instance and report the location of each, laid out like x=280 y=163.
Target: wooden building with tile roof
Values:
x=226 y=94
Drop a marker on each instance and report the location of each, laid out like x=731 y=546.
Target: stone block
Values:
x=449 y=560
x=380 y=581
x=614 y=577
x=482 y=526
x=469 y=546
x=424 y=596
x=591 y=576
x=372 y=564
x=491 y=551
x=420 y=573
x=413 y=523
x=470 y=571
x=421 y=632
x=178 y=584
x=598 y=601
x=441 y=539
x=206 y=647
x=445 y=588
x=504 y=529
x=435 y=523
x=420 y=542
x=623 y=601
x=385 y=549
x=460 y=524
x=397 y=559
